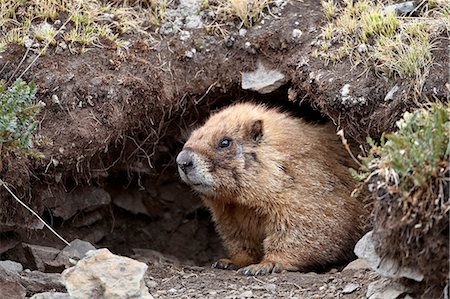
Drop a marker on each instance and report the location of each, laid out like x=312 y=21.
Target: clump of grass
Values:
x=17 y=117
x=329 y=8
x=393 y=45
x=249 y=12
x=86 y=20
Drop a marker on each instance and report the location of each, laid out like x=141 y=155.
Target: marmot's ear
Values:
x=256 y=130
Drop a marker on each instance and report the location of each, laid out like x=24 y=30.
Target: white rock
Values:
x=357 y=264
x=350 y=288
x=365 y=248
x=263 y=80
x=51 y=295
x=242 y=32
x=101 y=274
x=362 y=48
x=400 y=8
x=390 y=95
x=296 y=33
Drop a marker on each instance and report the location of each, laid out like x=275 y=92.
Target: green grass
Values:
x=415 y=158
x=17 y=118
x=396 y=46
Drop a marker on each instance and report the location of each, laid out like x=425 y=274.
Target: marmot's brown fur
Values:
x=278 y=189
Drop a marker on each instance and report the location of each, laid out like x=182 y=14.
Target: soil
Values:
x=116 y=122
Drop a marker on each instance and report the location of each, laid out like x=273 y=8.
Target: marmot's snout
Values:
x=185 y=162
x=193 y=170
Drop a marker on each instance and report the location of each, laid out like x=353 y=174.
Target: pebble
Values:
x=296 y=33
x=350 y=288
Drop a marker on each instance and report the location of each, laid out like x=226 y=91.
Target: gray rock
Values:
x=400 y=8
x=246 y=294
x=40 y=256
x=263 y=80
x=76 y=251
x=11 y=266
x=385 y=289
x=38 y=282
x=82 y=200
x=358 y=264
x=390 y=95
x=365 y=248
x=51 y=295
x=11 y=289
x=350 y=288
x=130 y=202
x=101 y=274
x=8 y=241
x=362 y=48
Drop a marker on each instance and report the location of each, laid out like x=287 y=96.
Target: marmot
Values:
x=278 y=189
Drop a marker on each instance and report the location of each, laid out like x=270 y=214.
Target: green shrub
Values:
x=17 y=117
x=416 y=153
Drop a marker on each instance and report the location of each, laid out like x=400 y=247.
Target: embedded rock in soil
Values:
x=365 y=248
x=40 y=257
x=11 y=289
x=82 y=200
x=101 y=274
x=384 y=288
x=357 y=264
x=263 y=80
x=38 y=282
x=75 y=251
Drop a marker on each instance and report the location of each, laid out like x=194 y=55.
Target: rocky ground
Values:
x=115 y=118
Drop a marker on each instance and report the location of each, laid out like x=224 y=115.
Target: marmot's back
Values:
x=279 y=189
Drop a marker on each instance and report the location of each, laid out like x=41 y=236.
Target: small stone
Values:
x=362 y=48
x=62 y=45
x=229 y=41
x=271 y=287
x=400 y=9
x=242 y=32
x=185 y=35
x=390 y=95
x=28 y=42
x=345 y=90
x=51 y=295
x=152 y=284
x=55 y=99
x=172 y=291
x=350 y=288
x=296 y=33
x=247 y=45
x=263 y=80
x=246 y=294
x=190 y=53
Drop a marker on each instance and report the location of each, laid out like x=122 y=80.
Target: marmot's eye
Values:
x=225 y=143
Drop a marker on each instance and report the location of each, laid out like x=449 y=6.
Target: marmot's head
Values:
x=220 y=156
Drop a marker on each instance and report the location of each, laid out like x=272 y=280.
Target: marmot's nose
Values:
x=185 y=160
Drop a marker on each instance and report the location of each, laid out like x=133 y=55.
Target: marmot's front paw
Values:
x=262 y=268
x=224 y=264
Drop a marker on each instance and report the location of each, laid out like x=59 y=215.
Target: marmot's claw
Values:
x=262 y=268
x=224 y=264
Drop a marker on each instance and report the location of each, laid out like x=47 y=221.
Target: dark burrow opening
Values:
x=151 y=212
